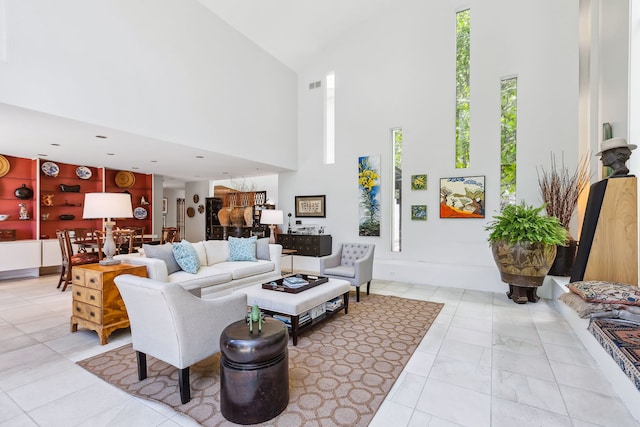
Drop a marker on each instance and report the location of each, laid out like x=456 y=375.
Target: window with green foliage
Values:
x=396 y=203
x=508 y=140
x=463 y=91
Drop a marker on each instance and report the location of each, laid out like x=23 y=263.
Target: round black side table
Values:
x=254 y=371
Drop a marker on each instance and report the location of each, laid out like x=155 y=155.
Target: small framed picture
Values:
x=419 y=182
x=311 y=206
x=165 y=205
x=419 y=212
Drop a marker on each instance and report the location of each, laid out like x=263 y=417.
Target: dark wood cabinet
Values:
x=306 y=244
x=223 y=232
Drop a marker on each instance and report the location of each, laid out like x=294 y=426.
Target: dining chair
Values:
x=69 y=259
x=169 y=235
x=81 y=236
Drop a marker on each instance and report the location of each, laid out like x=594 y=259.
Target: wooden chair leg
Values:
x=142 y=365
x=61 y=278
x=185 y=389
x=357 y=293
x=368 y=286
x=67 y=279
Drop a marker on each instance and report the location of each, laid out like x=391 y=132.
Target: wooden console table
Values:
x=97 y=304
x=306 y=244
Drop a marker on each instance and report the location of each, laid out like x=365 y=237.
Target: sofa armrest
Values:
x=275 y=256
x=156 y=268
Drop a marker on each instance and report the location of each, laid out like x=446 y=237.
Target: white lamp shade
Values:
x=107 y=205
x=271 y=217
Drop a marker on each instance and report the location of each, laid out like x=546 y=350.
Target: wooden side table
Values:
x=97 y=304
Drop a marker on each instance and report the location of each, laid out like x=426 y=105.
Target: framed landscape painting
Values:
x=462 y=197
x=419 y=182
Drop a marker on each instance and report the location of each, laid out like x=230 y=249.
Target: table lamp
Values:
x=271 y=217
x=107 y=205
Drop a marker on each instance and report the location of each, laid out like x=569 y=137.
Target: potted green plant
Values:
x=560 y=191
x=523 y=243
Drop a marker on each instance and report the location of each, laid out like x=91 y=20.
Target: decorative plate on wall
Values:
x=50 y=169
x=83 y=172
x=140 y=213
x=4 y=166
x=191 y=212
x=201 y=208
x=125 y=179
x=196 y=198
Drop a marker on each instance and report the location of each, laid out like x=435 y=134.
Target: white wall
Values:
x=166 y=69
x=399 y=71
x=195 y=227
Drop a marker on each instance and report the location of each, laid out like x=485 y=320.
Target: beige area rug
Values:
x=339 y=373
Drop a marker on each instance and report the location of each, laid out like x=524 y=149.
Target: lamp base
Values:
x=108 y=261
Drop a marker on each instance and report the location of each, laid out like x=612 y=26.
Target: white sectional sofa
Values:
x=218 y=272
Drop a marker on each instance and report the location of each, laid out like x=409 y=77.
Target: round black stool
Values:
x=254 y=371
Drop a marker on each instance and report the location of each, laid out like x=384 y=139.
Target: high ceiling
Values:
x=291 y=30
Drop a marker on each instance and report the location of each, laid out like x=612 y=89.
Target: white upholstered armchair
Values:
x=175 y=326
x=352 y=262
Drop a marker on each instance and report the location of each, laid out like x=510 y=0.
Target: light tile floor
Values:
x=485 y=362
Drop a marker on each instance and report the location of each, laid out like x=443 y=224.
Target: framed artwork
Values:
x=165 y=205
x=419 y=182
x=462 y=197
x=419 y=212
x=311 y=206
x=369 y=189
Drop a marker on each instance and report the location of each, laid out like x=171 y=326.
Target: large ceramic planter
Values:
x=523 y=266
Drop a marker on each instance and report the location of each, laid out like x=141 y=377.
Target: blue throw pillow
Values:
x=186 y=256
x=163 y=252
x=242 y=249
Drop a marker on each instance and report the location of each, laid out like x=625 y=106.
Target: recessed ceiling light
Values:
x=42 y=155
x=134 y=167
x=154 y=161
x=199 y=157
x=101 y=136
x=110 y=154
x=56 y=145
x=225 y=173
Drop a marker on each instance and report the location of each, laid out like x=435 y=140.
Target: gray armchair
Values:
x=175 y=326
x=352 y=262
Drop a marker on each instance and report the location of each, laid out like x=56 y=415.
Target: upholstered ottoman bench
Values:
x=295 y=305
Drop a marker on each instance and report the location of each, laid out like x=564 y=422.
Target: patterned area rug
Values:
x=339 y=373
x=621 y=339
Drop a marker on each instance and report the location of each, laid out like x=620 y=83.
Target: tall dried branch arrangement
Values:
x=560 y=189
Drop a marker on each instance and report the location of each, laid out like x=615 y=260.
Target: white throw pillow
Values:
x=217 y=251
x=202 y=253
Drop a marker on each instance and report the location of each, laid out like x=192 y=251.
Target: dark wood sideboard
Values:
x=306 y=244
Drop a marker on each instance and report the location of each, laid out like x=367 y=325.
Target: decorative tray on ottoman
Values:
x=295 y=283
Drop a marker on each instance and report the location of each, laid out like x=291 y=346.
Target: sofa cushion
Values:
x=206 y=276
x=216 y=250
x=163 y=252
x=262 y=249
x=606 y=292
x=240 y=269
x=202 y=253
x=186 y=256
x=242 y=249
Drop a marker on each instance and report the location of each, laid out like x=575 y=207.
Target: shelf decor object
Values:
x=4 y=166
x=107 y=205
x=83 y=172
x=272 y=217
x=125 y=179
x=50 y=169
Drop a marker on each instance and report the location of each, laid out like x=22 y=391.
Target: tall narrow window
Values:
x=463 y=92
x=396 y=203
x=330 y=120
x=508 y=140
